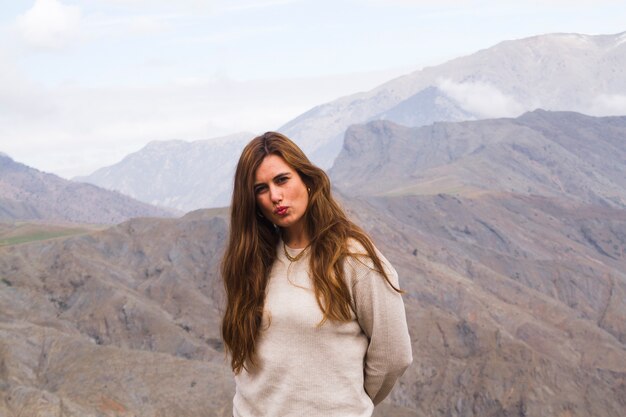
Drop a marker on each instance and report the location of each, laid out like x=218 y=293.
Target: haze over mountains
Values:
x=572 y=72
x=29 y=194
x=178 y=174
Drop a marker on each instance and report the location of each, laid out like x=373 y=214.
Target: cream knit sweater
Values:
x=336 y=369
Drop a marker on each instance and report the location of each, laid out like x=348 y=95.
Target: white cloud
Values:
x=481 y=99
x=608 y=105
x=49 y=24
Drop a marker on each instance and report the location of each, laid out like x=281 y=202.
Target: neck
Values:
x=295 y=238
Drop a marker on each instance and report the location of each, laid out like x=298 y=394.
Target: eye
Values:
x=259 y=189
x=282 y=179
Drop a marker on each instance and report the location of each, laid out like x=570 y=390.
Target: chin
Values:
x=285 y=222
x=282 y=223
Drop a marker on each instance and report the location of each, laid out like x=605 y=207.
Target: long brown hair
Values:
x=251 y=248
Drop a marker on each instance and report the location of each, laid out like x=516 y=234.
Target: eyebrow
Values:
x=275 y=176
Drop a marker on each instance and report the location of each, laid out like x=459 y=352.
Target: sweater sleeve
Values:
x=380 y=312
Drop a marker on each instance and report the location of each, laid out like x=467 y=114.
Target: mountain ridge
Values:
x=29 y=194
x=540 y=152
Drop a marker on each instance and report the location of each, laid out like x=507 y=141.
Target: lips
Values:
x=280 y=210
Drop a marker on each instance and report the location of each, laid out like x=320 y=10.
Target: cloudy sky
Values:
x=85 y=82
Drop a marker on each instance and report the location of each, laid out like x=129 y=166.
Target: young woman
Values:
x=314 y=320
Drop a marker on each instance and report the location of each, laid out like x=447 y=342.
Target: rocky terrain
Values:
x=513 y=309
x=516 y=299
x=516 y=289
x=29 y=194
x=560 y=154
x=122 y=322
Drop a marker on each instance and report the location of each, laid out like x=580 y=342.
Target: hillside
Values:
x=507 y=299
x=141 y=297
x=559 y=154
x=29 y=194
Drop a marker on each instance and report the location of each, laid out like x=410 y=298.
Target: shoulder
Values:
x=358 y=263
x=355 y=247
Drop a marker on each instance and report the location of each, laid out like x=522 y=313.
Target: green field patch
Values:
x=33 y=236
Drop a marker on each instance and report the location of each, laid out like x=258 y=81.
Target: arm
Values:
x=380 y=312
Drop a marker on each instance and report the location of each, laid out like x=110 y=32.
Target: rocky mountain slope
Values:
x=512 y=312
x=516 y=294
x=572 y=72
x=28 y=194
x=178 y=174
x=560 y=154
x=121 y=322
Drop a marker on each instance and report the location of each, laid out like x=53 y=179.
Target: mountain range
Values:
x=29 y=194
x=515 y=289
x=571 y=72
x=564 y=71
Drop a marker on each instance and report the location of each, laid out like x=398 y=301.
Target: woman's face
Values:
x=281 y=195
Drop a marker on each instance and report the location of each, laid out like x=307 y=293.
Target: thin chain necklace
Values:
x=294 y=258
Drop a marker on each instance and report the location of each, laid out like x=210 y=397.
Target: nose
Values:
x=276 y=194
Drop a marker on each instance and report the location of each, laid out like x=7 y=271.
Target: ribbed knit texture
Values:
x=336 y=369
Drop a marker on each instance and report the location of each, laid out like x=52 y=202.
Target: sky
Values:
x=83 y=83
